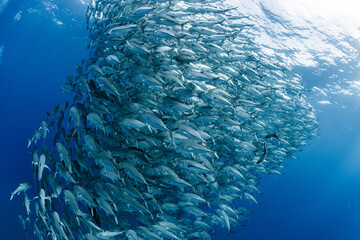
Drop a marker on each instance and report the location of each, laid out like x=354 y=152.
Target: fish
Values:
x=23 y=187
x=174 y=118
x=71 y=200
x=35 y=137
x=27 y=207
x=272 y=135
x=22 y=222
x=64 y=155
x=41 y=166
x=263 y=156
x=107 y=234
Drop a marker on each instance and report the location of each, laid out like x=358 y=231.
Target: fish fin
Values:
x=74 y=132
x=46 y=166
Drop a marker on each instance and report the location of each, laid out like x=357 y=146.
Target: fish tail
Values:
x=140 y=28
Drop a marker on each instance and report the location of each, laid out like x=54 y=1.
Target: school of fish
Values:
x=175 y=117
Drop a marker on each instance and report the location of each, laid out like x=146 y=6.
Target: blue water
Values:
x=317 y=198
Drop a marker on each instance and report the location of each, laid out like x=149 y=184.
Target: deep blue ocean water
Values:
x=317 y=198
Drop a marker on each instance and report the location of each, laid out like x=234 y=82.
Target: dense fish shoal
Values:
x=175 y=117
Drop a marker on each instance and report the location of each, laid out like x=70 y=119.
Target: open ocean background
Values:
x=318 y=197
